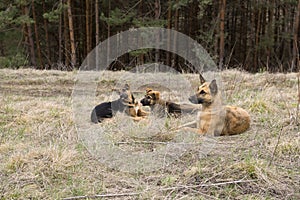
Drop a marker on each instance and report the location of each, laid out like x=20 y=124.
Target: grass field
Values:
x=42 y=156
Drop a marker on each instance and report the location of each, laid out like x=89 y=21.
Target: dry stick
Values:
x=286 y=106
x=103 y=195
x=275 y=149
x=298 y=86
x=151 y=142
x=281 y=130
x=155 y=142
x=201 y=193
x=233 y=87
x=184 y=125
x=206 y=185
x=230 y=55
x=161 y=190
x=298 y=104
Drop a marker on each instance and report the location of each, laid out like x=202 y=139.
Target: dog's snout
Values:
x=193 y=99
x=124 y=96
x=145 y=102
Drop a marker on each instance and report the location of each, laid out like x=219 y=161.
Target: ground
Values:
x=43 y=157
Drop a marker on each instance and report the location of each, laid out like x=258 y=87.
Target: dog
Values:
x=126 y=103
x=161 y=107
x=214 y=117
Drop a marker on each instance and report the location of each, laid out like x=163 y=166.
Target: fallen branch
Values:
x=207 y=185
x=161 y=190
x=298 y=102
x=276 y=146
x=103 y=195
x=184 y=125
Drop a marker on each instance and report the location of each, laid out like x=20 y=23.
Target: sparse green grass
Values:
x=41 y=156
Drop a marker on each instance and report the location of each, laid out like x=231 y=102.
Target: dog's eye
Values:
x=202 y=92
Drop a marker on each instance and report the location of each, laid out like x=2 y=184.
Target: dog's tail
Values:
x=94 y=117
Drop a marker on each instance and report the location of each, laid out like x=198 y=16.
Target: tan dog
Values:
x=161 y=107
x=215 y=118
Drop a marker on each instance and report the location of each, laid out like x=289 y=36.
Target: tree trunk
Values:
x=66 y=49
x=257 y=36
x=48 y=56
x=157 y=15
x=141 y=57
x=243 y=31
x=97 y=21
x=168 y=59
x=213 y=11
x=295 y=60
x=97 y=32
x=270 y=33
x=71 y=31
x=60 y=35
x=286 y=50
x=26 y=38
x=222 y=34
x=87 y=26
x=108 y=36
x=37 y=39
x=30 y=39
x=176 y=27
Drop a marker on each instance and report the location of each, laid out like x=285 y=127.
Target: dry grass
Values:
x=41 y=156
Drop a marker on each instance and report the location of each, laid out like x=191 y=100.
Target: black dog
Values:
x=126 y=103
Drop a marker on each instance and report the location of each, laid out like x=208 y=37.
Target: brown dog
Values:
x=161 y=107
x=215 y=118
x=126 y=103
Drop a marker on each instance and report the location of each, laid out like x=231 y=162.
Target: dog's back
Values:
x=237 y=121
x=101 y=111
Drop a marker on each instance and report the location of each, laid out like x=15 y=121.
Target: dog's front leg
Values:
x=191 y=124
x=141 y=113
x=193 y=130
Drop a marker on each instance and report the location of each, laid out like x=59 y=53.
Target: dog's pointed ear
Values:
x=213 y=87
x=133 y=99
x=148 y=90
x=157 y=95
x=202 y=79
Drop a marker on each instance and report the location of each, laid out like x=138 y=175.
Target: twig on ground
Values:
x=103 y=195
x=164 y=143
x=161 y=190
x=153 y=142
x=298 y=103
x=184 y=125
x=275 y=149
x=207 y=185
